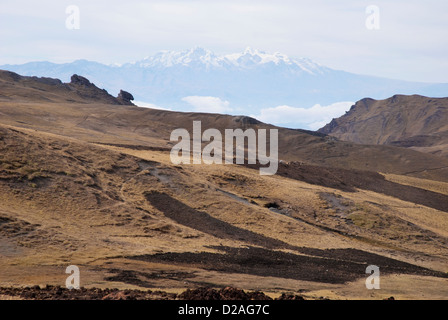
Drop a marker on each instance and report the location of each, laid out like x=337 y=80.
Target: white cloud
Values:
x=208 y=104
x=312 y=118
x=149 y=105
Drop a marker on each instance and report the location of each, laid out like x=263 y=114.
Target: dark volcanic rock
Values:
x=285 y=296
x=75 y=79
x=90 y=91
x=246 y=120
x=48 y=81
x=125 y=97
x=227 y=293
x=79 y=90
x=203 y=294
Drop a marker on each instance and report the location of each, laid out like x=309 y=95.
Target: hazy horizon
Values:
x=223 y=53
x=403 y=40
x=406 y=44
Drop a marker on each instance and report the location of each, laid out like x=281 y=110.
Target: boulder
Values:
x=125 y=96
x=75 y=79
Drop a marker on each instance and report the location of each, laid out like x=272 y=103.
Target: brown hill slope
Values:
x=65 y=109
x=416 y=122
x=129 y=218
x=14 y=87
x=92 y=185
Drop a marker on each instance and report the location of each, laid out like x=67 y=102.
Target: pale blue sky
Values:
x=411 y=44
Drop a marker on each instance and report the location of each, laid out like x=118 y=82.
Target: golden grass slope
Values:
x=92 y=184
x=127 y=125
x=65 y=201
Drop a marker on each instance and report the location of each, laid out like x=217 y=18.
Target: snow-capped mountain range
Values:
x=248 y=59
x=245 y=83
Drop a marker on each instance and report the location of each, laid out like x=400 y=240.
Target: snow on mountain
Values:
x=192 y=57
x=253 y=57
x=251 y=82
x=249 y=58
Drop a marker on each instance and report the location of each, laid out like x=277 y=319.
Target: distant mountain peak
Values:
x=250 y=81
x=248 y=58
x=190 y=57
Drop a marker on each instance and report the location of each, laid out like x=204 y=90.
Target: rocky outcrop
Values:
x=245 y=121
x=91 y=91
x=79 y=90
x=125 y=97
x=48 y=81
x=75 y=79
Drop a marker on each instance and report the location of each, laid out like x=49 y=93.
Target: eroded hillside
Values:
x=415 y=122
x=93 y=185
